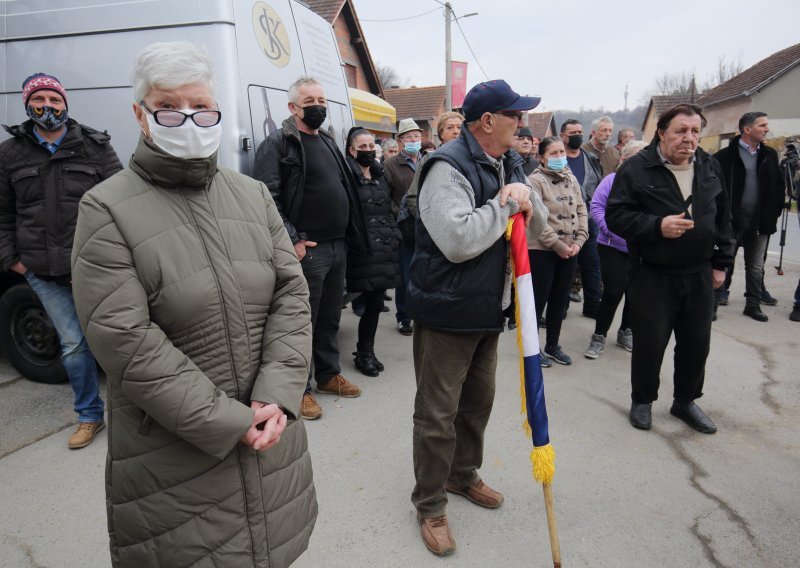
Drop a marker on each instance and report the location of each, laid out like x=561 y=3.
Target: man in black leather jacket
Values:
x=310 y=182
x=669 y=204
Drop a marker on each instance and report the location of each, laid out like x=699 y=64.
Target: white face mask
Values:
x=186 y=141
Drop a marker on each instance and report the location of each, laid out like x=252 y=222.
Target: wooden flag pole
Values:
x=551 y=524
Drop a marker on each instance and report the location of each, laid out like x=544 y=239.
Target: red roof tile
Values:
x=754 y=78
x=419 y=103
x=538 y=122
x=328 y=9
x=665 y=102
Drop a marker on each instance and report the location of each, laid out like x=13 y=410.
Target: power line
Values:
x=401 y=19
x=475 y=57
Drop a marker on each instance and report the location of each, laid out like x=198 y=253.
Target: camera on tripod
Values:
x=789 y=167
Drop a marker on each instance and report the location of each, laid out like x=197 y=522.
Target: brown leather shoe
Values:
x=340 y=386
x=309 y=409
x=84 y=434
x=436 y=535
x=479 y=493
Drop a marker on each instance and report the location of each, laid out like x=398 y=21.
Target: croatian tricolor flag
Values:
x=531 y=379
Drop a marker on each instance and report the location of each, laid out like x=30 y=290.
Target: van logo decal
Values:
x=271 y=34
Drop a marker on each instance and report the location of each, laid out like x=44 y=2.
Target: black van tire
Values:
x=28 y=337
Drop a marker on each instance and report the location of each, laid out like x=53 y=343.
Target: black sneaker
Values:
x=544 y=361
x=768 y=299
x=405 y=327
x=795 y=315
x=557 y=354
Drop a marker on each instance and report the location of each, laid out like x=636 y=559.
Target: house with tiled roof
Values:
x=659 y=104
x=370 y=110
x=772 y=85
x=542 y=124
x=358 y=65
x=423 y=104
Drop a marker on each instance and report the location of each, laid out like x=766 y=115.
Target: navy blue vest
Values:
x=467 y=296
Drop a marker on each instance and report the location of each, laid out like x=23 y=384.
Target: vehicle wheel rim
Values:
x=35 y=335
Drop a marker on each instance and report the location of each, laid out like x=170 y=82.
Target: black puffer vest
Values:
x=464 y=297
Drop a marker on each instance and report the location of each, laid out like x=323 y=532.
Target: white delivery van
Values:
x=259 y=48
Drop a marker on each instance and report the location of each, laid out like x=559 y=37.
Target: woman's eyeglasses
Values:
x=174 y=118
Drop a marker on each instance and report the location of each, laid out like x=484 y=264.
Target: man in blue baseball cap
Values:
x=468 y=189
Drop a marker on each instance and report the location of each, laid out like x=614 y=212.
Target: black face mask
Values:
x=575 y=141
x=314 y=116
x=365 y=157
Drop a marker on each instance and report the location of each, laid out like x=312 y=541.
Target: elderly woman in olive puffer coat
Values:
x=194 y=303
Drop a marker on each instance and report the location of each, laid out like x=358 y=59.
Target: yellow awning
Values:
x=372 y=112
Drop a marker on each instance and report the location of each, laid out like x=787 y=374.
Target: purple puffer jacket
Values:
x=597 y=209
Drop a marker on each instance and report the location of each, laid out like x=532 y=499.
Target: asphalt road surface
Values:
x=669 y=497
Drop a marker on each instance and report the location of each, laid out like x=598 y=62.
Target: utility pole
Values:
x=448 y=79
x=448 y=58
x=626 y=97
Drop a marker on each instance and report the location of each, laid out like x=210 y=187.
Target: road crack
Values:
x=696 y=474
x=56 y=430
x=768 y=363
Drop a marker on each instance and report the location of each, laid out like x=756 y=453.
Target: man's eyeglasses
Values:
x=515 y=114
x=174 y=118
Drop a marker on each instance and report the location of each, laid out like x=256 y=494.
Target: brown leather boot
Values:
x=84 y=434
x=479 y=493
x=309 y=409
x=339 y=386
x=436 y=535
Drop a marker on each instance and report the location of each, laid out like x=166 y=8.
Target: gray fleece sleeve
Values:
x=447 y=209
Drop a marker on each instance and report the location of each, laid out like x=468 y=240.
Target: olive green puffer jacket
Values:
x=193 y=301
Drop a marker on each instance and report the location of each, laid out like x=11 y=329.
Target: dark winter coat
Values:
x=645 y=191
x=378 y=269
x=770 y=187
x=464 y=297
x=280 y=163
x=194 y=302
x=399 y=175
x=40 y=191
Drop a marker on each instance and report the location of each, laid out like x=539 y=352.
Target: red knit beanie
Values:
x=42 y=82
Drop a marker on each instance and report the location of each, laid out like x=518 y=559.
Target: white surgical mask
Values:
x=186 y=141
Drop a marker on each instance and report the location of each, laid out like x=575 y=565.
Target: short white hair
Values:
x=304 y=80
x=169 y=65
x=597 y=121
x=631 y=148
x=389 y=143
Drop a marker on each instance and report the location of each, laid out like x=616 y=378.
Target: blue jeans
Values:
x=405 y=253
x=78 y=360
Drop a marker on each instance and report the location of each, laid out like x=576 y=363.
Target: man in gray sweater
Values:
x=468 y=190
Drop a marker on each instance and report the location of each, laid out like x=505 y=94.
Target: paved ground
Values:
x=665 y=498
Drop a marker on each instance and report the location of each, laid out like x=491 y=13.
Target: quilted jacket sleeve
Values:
x=8 y=220
x=135 y=353
x=286 y=344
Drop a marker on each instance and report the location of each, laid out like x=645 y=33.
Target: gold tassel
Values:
x=543 y=459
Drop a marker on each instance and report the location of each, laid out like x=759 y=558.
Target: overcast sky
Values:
x=579 y=53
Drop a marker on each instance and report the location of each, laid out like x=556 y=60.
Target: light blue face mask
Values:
x=412 y=147
x=557 y=164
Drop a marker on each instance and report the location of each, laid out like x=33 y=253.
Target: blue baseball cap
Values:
x=494 y=96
